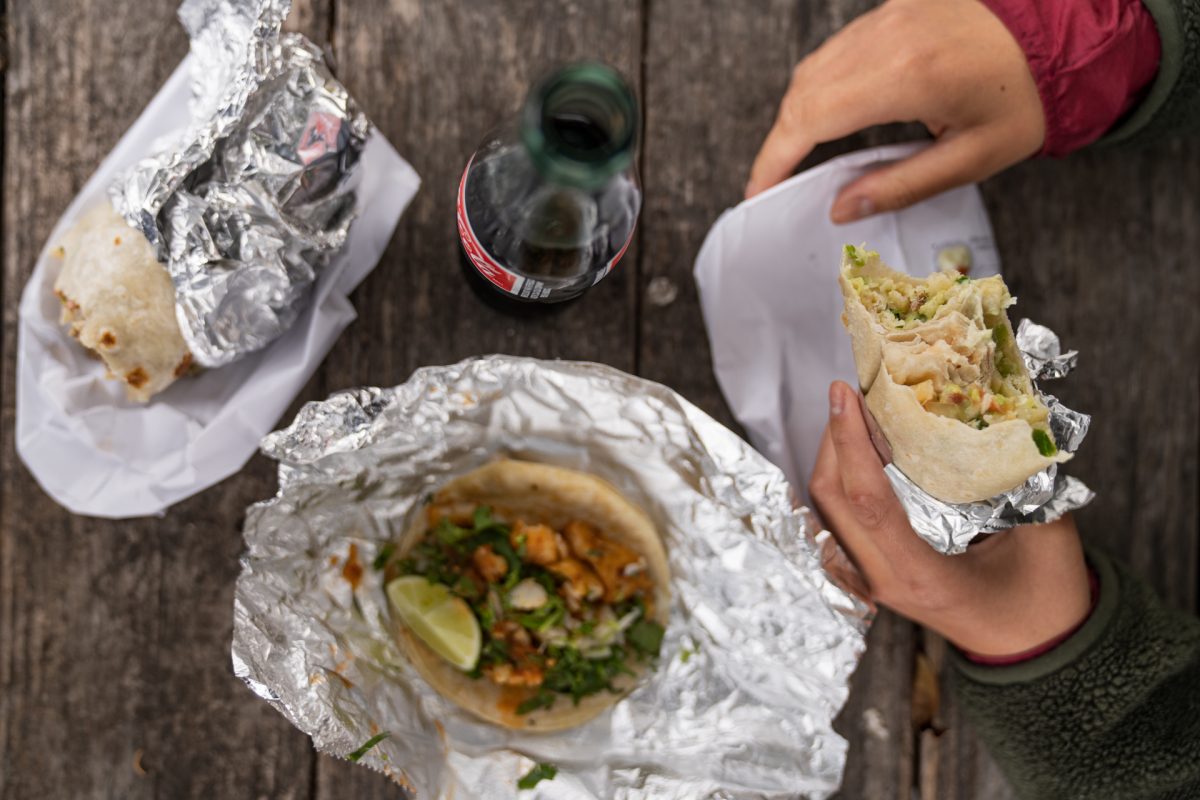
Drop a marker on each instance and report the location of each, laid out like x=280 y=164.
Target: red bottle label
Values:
x=497 y=274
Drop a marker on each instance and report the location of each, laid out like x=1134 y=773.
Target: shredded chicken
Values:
x=492 y=567
x=512 y=633
x=581 y=583
x=620 y=569
x=537 y=544
x=528 y=675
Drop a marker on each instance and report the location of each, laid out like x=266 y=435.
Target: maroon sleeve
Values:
x=1091 y=60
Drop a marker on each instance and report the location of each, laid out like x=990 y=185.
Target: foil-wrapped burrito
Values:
x=974 y=444
x=232 y=219
x=757 y=644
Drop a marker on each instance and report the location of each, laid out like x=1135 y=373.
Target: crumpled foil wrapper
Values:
x=761 y=640
x=1044 y=497
x=249 y=203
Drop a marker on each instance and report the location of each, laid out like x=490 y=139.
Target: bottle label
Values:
x=496 y=273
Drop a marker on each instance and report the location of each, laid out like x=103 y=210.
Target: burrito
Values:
x=531 y=596
x=119 y=302
x=944 y=380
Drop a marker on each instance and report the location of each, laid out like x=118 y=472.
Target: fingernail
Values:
x=836 y=400
x=852 y=208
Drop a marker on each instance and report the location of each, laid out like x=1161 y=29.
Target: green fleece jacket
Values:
x=1172 y=105
x=1113 y=712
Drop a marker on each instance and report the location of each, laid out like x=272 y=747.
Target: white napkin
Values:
x=767 y=275
x=95 y=452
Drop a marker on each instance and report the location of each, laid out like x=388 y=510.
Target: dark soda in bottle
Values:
x=548 y=203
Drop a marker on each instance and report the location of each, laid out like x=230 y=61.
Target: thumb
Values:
x=951 y=161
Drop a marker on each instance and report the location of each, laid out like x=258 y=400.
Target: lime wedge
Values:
x=441 y=620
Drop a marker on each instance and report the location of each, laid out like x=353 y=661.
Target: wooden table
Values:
x=114 y=636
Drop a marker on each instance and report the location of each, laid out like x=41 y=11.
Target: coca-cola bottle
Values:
x=548 y=203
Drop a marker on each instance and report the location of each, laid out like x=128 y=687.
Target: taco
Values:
x=119 y=302
x=566 y=580
x=944 y=379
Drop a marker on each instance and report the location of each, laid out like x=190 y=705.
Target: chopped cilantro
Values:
x=685 y=655
x=962 y=279
x=578 y=676
x=542 y=699
x=449 y=533
x=544 y=618
x=539 y=773
x=466 y=587
x=385 y=555
x=1045 y=444
x=367 y=745
x=495 y=651
x=981 y=423
x=646 y=635
x=487 y=617
x=483 y=517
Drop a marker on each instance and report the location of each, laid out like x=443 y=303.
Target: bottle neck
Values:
x=580 y=125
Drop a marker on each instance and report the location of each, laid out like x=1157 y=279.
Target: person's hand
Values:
x=1006 y=595
x=950 y=64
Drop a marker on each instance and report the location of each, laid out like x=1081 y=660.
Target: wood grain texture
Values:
x=115 y=679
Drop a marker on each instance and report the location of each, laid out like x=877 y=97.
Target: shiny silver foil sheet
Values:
x=761 y=640
x=1044 y=497
x=248 y=203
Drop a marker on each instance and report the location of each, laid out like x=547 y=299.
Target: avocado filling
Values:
x=899 y=304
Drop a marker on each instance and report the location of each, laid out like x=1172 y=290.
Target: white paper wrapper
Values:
x=99 y=454
x=767 y=275
x=768 y=283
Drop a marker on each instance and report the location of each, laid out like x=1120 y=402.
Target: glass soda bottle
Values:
x=548 y=203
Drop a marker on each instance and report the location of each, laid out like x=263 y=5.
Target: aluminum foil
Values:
x=248 y=204
x=1044 y=497
x=756 y=657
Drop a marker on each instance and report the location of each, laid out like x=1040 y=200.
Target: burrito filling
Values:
x=563 y=612
x=962 y=363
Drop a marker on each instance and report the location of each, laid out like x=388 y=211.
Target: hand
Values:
x=1005 y=595
x=950 y=64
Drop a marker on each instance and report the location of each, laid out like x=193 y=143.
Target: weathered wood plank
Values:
x=1100 y=247
x=435 y=77
x=876 y=720
x=715 y=73
x=114 y=636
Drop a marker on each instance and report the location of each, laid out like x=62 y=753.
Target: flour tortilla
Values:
x=537 y=493
x=951 y=460
x=119 y=302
